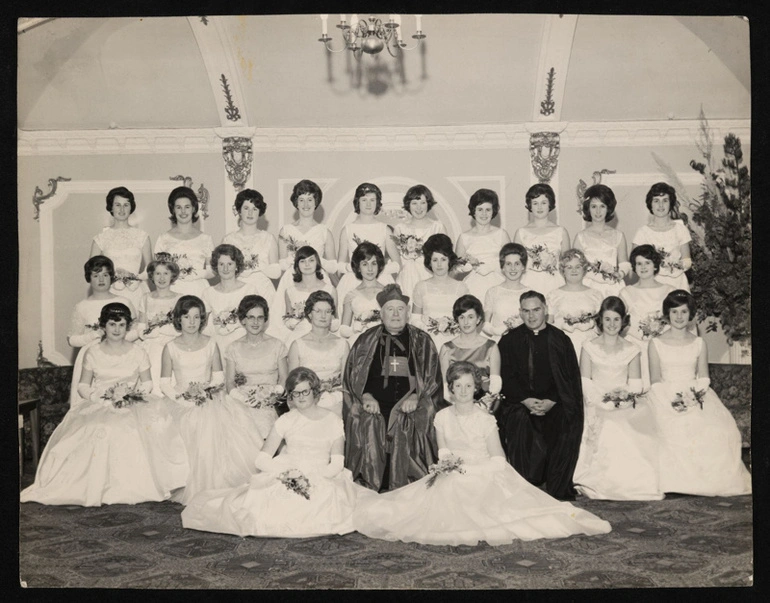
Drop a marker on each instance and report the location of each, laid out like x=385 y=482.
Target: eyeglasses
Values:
x=297 y=394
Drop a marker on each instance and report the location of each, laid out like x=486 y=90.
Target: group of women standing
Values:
x=208 y=373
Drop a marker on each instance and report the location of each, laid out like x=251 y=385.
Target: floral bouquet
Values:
x=490 y=401
x=294 y=316
x=94 y=326
x=409 y=246
x=159 y=320
x=542 y=260
x=128 y=280
x=596 y=268
x=332 y=384
x=582 y=322
x=358 y=240
x=364 y=321
x=444 y=466
x=467 y=263
x=652 y=325
x=444 y=325
x=668 y=266
x=250 y=261
x=620 y=397
x=264 y=396
x=295 y=481
x=512 y=322
x=122 y=395
x=687 y=399
x=292 y=244
x=239 y=379
x=180 y=259
x=200 y=393
x=224 y=318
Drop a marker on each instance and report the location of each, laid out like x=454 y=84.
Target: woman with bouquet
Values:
x=360 y=309
x=501 y=304
x=618 y=457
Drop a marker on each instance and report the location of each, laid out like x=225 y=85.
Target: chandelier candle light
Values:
x=372 y=36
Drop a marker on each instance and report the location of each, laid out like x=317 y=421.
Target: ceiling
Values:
x=126 y=73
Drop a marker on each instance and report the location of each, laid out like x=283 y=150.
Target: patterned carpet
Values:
x=680 y=541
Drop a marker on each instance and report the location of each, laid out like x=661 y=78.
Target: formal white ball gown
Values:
x=437 y=306
x=668 y=243
x=366 y=313
x=573 y=312
x=157 y=330
x=326 y=364
x=502 y=309
x=377 y=233
x=599 y=249
x=222 y=306
x=543 y=251
x=409 y=240
x=191 y=255
x=486 y=249
x=489 y=502
x=255 y=249
x=124 y=247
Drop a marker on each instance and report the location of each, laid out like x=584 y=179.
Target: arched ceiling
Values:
x=101 y=73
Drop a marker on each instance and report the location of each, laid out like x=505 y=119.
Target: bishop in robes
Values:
x=541 y=416
x=392 y=389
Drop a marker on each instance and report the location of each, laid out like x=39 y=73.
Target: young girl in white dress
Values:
x=367 y=203
x=127 y=246
x=185 y=245
x=256 y=366
x=667 y=232
x=218 y=432
x=360 y=310
x=222 y=299
x=501 y=303
x=111 y=449
x=699 y=442
x=618 y=457
x=573 y=306
x=434 y=298
x=405 y=245
x=604 y=246
x=322 y=351
x=479 y=247
x=259 y=247
x=485 y=500
x=155 y=326
x=303 y=492
x=544 y=241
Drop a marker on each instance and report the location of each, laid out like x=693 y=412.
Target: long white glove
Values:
x=686 y=264
x=336 y=464
x=495 y=384
x=391 y=267
x=346 y=331
x=635 y=385
x=485 y=268
x=133 y=333
x=285 y=264
x=265 y=462
x=493 y=330
x=702 y=383
x=335 y=326
x=85 y=391
x=447 y=392
x=444 y=453
x=78 y=341
x=624 y=268
x=330 y=266
x=217 y=378
x=418 y=320
x=147 y=386
x=272 y=271
x=167 y=389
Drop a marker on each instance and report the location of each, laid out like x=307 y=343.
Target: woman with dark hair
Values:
x=699 y=442
x=618 y=457
x=259 y=247
x=544 y=240
x=303 y=492
x=360 y=310
x=127 y=246
x=184 y=243
x=604 y=246
x=367 y=203
x=434 y=298
x=405 y=245
x=117 y=443
x=668 y=234
x=501 y=303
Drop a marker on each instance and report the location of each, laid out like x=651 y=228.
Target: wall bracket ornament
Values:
x=42 y=361
x=38 y=197
x=544 y=151
x=237 y=154
x=547 y=106
x=231 y=111
x=582 y=186
x=202 y=193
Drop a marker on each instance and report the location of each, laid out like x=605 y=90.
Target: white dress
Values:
x=437 y=317
x=486 y=249
x=326 y=365
x=573 y=312
x=221 y=439
x=700 y=448
x=157 y=331
x=259 y=365
x=103 y=455
x=618 y=457
x=376 y=233
x=597 y=249
x=409 y=240
x=264 y=506
x=256 y=257
x=543 y=252
x=223 y=324
x=290 y=329
x=191 y=256
x=124 y=247
x=488 y=502
x=668 y=244
x=366 y=313
x=502 y=306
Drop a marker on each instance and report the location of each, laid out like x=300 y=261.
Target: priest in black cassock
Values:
x=392 y=388
x=541 y=417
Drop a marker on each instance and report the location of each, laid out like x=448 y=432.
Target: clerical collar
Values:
x=536 y=332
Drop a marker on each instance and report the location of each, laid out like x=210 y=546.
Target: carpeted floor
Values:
x=676 y=542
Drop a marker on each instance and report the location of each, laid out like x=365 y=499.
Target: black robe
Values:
x=542 y=449
x=409 y=438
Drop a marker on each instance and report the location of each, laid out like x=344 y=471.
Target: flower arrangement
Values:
x=200 y=393
x=364 y=321
x=224 y=318
x=295 y=481
x=666 y=265
x=122 y=395
x=444 y=325
x=444 y=466
x=294 y=316
x=596 y=268
x=93 y=326
x=292 y=244
x=687 y=399
x=251 y=261
x=490 y=401
x=409 y=246
x=620 y=397
x=652 y=325
x=264 y=396
x=582 y=321
x=126 y=280
x=159 y=320
x=468 y=262
x=512 y=322
x=542 y=260
x=239 y=379
x=180 y=259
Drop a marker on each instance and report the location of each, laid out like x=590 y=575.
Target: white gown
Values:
x=366 y=313
x=488 y=502
x=486 y=249
x=102 y=455
x=326 y=365
x=124 y=247
x=667 y=243
x=618 y=457
x=409 y=241
x=264 y=506
x=700 y=448
x=191 y=256
x=376 y=233
x=543 y=252
x=223 y=324
x=255 y=251
x=437 y=312
x=502 y=305
x=570 y=310
x=597 y=249
x=155 y=334
x=290 y=329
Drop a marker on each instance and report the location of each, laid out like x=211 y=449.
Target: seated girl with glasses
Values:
x=303 y=492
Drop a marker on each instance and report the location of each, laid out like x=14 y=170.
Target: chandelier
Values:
x=371 y=35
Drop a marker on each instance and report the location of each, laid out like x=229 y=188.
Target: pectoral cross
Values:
x=393 y=363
